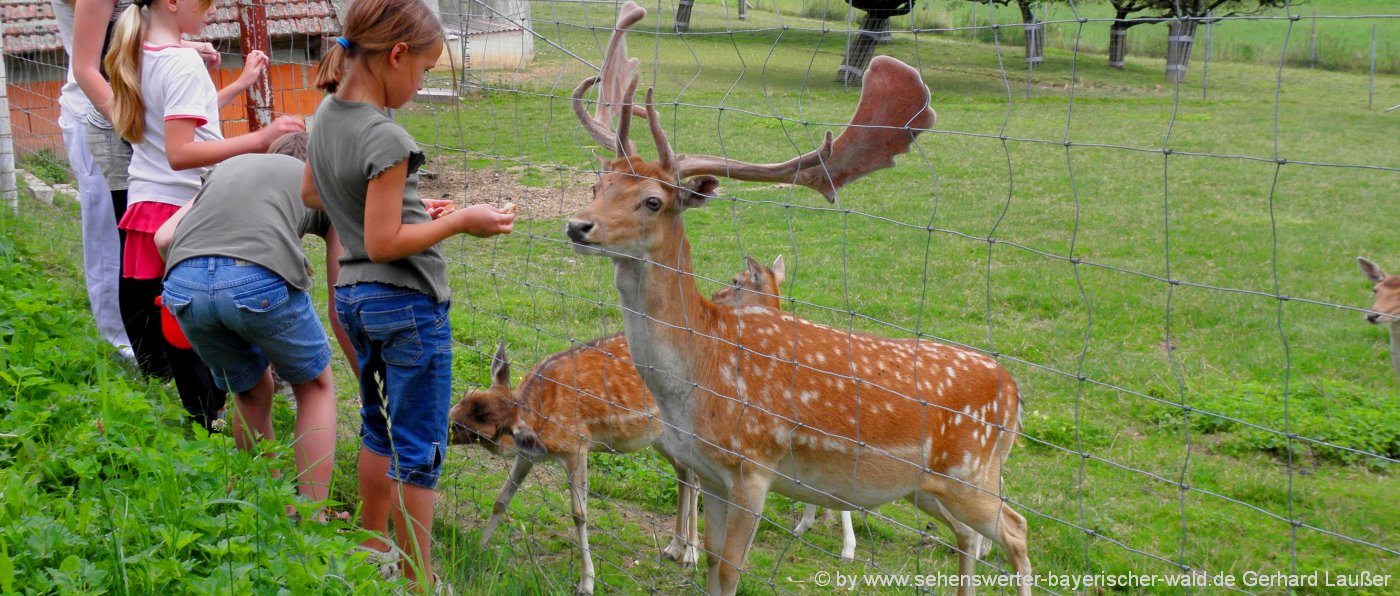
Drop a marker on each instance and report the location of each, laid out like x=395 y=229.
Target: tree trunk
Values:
x=1118 y=40
x=683 y=15
x=1180 y=35
x=861 y=48
x=1035 y=35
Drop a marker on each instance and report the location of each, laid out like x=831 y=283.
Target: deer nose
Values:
x=1373 y=317
x=578 y=230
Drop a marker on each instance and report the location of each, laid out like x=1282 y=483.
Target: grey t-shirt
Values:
x=351 y=143
x=250 y=208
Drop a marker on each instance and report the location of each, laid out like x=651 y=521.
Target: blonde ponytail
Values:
x=332 y=67
x=123 y=64
x=374 y=27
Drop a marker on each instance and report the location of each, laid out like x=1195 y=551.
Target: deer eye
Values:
x=653 y=203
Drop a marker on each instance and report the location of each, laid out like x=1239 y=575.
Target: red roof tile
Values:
x=29 y=24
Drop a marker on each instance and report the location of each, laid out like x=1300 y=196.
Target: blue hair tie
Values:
x=344 y=43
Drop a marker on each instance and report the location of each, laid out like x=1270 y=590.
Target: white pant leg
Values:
x=102 y=260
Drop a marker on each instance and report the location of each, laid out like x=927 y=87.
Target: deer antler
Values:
x=892 y=111
x=618 y=83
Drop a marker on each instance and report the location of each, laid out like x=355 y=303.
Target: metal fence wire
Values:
x=1166 y=274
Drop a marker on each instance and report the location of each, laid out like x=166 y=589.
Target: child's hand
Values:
x=281 y=126
x=253 y=65
x=439 y=207
x=482 y=221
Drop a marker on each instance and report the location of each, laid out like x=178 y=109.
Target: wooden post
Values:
x=9 y=186
x=252 y=20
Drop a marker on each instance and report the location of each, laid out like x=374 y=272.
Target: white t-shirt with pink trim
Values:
x=174 y=86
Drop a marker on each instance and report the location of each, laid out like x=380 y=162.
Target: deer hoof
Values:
x=682 y=553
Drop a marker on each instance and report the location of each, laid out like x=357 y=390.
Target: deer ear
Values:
x=779 y=270
x=755 y=269
x=698 y=191
x=500 y=367
x=1372 y=271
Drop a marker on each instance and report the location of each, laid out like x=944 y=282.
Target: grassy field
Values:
x=1074 y=284
x=1331 y=34
x=1167 y=425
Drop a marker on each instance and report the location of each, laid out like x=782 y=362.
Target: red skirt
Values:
x=140 y=260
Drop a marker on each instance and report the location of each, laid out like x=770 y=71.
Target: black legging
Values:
x=155 y=356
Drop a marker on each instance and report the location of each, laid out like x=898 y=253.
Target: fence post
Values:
x=1312 y=48
x=1205 y=63
x=1371 y=87
x=9 y=187
x=252 y=35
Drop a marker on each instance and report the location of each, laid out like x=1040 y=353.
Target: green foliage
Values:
x=47 y=166
x=107 y=488
x=1326 y=414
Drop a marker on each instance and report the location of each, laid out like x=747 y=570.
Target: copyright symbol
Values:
x=822 y=578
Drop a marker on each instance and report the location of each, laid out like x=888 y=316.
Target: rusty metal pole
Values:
x=252 y=21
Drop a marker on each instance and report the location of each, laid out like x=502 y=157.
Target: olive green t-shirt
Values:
x=250 y=208
x=351 y=143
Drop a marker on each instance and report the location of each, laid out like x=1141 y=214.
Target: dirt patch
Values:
x=550 y=194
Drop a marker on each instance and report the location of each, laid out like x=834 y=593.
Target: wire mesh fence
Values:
x=1167 y=275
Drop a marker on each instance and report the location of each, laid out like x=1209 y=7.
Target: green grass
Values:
x=106 y=488
x=1108 y=454
x=47 y=167
x=1336 y=44
x=1127 y=215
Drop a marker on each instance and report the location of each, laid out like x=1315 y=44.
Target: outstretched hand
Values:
x=253 y=66
x=482 y=221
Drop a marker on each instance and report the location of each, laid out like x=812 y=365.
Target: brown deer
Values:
x=590 y=399
x=757 y=400
x=1386 y=307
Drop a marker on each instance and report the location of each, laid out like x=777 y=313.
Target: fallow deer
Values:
x=1386 y=307
x=590 y=399
x=757 y=400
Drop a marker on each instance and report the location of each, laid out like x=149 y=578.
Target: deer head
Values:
x=755 y=285
x=1386 y=308
x=491 y=417
x=635 y=198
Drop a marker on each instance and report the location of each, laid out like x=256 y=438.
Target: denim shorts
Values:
x=240 y=317
x=403 y=342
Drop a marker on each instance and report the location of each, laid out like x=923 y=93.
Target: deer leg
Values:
x=716 y=510
x=968 y=540
x=576 y=467
x=809 y=519
x=980 y=507
x=746 y=502
x=518 y=472
x=682 y=547
x=693 y=540
x=848 y=537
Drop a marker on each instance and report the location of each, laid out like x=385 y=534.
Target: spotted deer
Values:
x=1386 y=307
x=757 y=400
x=590 y=399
